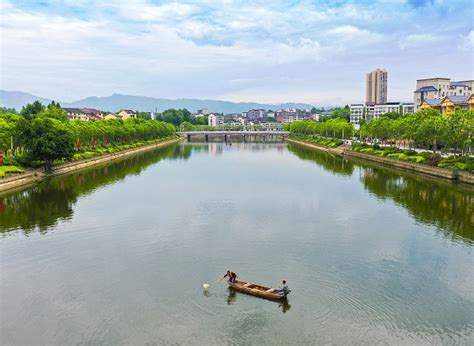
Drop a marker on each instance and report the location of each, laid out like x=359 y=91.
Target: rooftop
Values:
x=459 y=98
x=458 y=84
x=433 y=102
x=426 y=88
x=433 y=78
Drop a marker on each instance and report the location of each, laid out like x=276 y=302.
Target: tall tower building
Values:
x=376 y=86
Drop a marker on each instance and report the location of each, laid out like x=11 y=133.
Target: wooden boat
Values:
x=256 y=290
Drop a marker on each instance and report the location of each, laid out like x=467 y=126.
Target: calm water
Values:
x=119 y=253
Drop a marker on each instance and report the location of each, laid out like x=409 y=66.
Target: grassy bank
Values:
x=21 y=164
x=325 y=142
x=456 y=163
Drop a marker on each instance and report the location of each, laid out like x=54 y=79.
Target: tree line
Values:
x=425 y=129
x=335 y=128
x=44 y=133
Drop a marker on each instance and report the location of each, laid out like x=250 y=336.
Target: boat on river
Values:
x=256 y=290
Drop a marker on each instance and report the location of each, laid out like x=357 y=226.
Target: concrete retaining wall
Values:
x=33 y=176
x=463 y=177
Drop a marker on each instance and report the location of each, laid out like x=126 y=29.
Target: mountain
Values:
x=17 y=99
x=116 y=102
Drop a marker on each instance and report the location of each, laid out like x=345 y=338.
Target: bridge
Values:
x=235 y=135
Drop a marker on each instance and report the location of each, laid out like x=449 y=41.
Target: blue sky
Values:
x=267 y=51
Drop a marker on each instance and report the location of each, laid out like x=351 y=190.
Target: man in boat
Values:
x=231 y=276
x=283 y=289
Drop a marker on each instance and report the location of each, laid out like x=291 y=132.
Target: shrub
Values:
x=416 y=158
x=4 y=170
x=409 y=152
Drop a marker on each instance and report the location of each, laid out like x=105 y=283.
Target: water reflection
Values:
x=232 y=297
x=329 y=162
x=44 y=204
x=447 y=206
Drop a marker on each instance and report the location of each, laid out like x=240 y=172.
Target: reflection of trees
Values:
x=42 y=205
x=446 y=206
x=332 y=163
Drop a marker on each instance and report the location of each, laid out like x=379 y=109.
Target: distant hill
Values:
x=115 y=102
x=17 y=99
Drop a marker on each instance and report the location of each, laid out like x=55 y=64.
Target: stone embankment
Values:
x=345 y=150
x=32 y=176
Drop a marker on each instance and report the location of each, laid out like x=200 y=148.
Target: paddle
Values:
x=206 y=286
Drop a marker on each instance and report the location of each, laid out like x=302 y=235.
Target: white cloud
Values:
x=417 y=40
x=235 y=48
x=467 y=42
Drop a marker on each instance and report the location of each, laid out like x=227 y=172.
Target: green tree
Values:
x=144 y=115
x=186 y=126
x=31 y=110
x=8 y=130
x=391 y=115
x=6 y=110
x=47 y=140
x=53 y=111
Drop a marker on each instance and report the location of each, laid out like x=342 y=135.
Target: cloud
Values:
x=417 y=40
x=212 y=48
x=467 y=42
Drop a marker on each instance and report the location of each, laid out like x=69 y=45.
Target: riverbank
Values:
x=33 y=176
x=345 y=150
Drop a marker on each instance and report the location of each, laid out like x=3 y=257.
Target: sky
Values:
x=316 y=52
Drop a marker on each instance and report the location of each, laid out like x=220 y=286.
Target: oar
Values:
x=206 y=286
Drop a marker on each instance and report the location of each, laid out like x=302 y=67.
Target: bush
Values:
x=416 y=158
x=4 y=170
x=458 y=163
x=409 y=152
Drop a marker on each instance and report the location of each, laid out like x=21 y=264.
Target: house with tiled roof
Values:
x=127 y=114
x=438 y=88
x=448 y=104
x=75 y=113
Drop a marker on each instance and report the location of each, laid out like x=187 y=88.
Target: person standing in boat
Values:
x=284 y=289
x=231 y=276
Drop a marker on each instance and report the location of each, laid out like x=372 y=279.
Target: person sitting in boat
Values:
x=231 y=276
x=284 y=289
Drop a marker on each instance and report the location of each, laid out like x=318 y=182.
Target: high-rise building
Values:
x=376 y=86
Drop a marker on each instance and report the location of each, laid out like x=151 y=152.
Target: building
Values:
x=372 y=111
x=203 y=111
x=256 y=114
x=448 y=104
x=75 y=113
x=438 y=88
x=376 y=86
x=215 y=119
x=92 y=114
x=127 y=114
x=112 y=116
x=357 y=114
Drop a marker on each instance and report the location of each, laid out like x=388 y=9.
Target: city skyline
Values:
x=316 y=53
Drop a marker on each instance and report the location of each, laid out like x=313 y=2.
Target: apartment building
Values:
x=215 y=119
x=376 y=86
x=372 y=111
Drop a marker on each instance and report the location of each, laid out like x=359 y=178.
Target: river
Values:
x=117 y=254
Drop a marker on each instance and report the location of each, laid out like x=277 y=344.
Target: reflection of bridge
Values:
x=243 y=135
